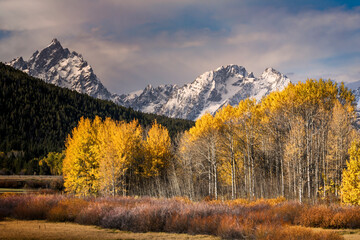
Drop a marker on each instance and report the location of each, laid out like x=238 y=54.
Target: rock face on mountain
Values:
x=207 y=93
x=214 y=89
x=59 y=66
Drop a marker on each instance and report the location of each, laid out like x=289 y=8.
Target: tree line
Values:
x=294 y=143
x=36 y=117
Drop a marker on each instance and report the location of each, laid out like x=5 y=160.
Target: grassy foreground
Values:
x=40 y=229
x=347 y=234
x=238 y=219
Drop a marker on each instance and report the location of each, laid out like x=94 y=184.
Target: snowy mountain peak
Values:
x=18 y=63
x=207 y=93
x=275 y=78
x=231 y=70
x=58 y=66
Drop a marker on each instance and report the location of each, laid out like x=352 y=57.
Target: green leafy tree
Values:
x=54 y=162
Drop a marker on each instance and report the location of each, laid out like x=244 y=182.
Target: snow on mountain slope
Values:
x=59 y=66
x=209 y=92
x=214 y=89
x=355 y=88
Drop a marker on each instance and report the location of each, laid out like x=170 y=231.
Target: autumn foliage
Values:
x=263 y=219
x=101 y=155
x=293 y=143
x=350 y=187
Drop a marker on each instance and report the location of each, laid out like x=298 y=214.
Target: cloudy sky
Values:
x=133 y=43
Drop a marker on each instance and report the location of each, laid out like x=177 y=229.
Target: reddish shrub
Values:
x=8 y=202
x=93 y=213
x=316 y=216
x=204 y=225
x=229 y=228
x=116 y=218
x=178 y=223
x=34 y=207
x=273 y=232
x=286 y=212
x=346 y=218
x=67 y=209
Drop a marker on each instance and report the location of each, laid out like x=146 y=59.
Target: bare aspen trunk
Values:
x=214 y=163
x=289 y=178
x=308 y=157
x=215 y=182
x=253 y=178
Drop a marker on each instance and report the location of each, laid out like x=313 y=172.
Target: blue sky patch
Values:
x=4 y=34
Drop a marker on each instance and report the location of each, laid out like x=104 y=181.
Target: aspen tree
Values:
x=350 y=188
x=81 y=163
x=205 y=134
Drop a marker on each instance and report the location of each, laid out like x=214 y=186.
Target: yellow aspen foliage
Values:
x=229 y=147
x=350 y=188
x=204 y=126
x=80 y=166
x=119 y=144
x=157 y=150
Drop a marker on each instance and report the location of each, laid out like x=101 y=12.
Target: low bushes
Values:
x=259 y=220
x=67 y=210
x=330 y=217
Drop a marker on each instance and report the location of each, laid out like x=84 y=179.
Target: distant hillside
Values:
x=36 y=117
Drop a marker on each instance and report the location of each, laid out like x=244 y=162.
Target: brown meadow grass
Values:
x=263 y=219
x=18 y=229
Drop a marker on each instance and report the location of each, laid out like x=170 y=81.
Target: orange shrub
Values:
x=230 y=228
x=286 y=212
x=316 y=216
x=273 y=232
x=34 y=207
x=178 y=223
x=67 y=209
x=93 y=213
x=204 y=225
x=346 y=218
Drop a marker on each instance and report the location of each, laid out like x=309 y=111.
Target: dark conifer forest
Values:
x=36 y=118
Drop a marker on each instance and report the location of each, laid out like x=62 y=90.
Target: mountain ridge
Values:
x=210 y=91
x=213 y=89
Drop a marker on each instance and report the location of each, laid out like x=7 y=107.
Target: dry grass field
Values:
x=348 y=234
x=32 y=183
x=30 y=177
x=14 y=230
x=40 y=229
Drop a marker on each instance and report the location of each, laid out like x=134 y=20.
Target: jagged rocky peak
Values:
x=207 y=93
x=18 y=63
x=232 y=70
x=49 y=56
x=55 y=42
x=272 y=75
x=57 y=65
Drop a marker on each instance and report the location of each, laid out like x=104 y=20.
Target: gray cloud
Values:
x=134 y=43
